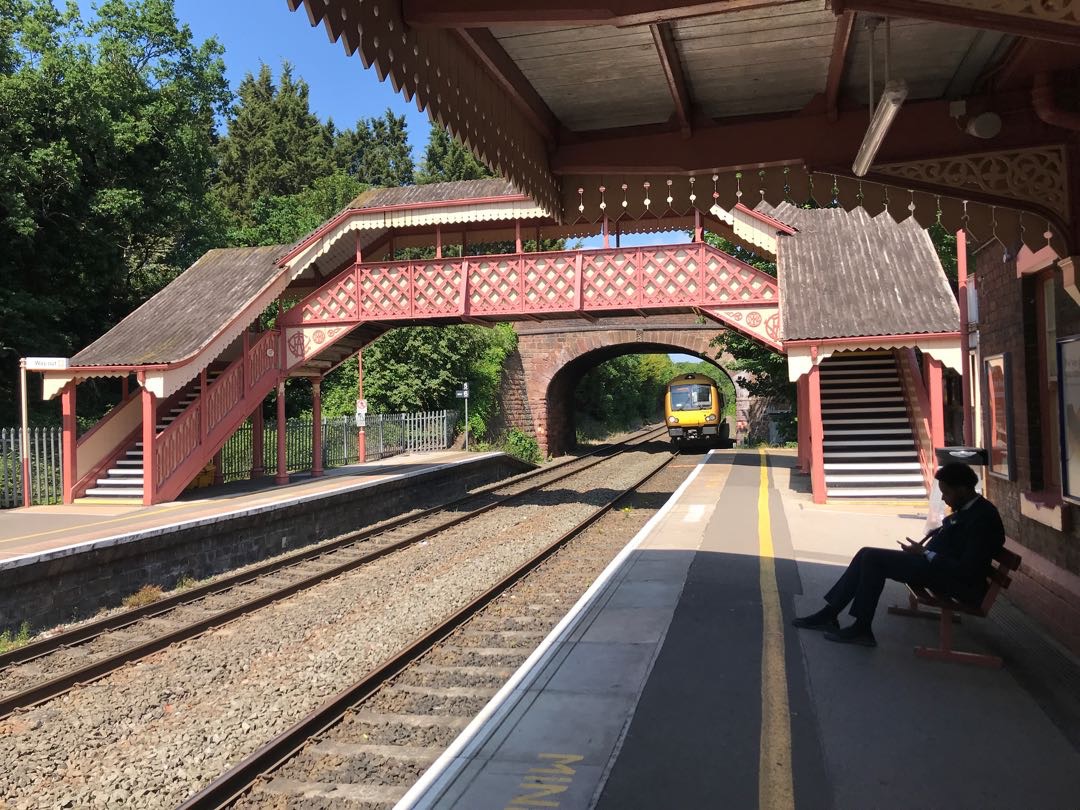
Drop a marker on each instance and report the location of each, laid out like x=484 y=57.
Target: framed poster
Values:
x=1068 y=364
x=997 y=384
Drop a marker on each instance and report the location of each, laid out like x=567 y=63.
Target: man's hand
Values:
x=913 y=546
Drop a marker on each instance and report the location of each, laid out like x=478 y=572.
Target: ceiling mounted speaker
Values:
x=986 y=125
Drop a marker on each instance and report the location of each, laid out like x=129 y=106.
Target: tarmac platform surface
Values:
x=41 y=532
x=678 y=683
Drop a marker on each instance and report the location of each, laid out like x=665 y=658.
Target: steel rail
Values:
x=55 y=686
x=228 y=787
x=86 y=632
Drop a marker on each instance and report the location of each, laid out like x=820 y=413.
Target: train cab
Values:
x=693 y=408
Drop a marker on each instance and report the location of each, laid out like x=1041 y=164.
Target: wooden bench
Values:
x=949 y=608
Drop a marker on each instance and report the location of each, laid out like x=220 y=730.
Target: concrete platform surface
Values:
x=40 y=532
x=678 y=683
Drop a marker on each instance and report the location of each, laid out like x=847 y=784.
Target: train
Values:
x=694 y=412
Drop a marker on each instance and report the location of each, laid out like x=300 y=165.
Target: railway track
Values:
x=366 y=745
x=43 y=670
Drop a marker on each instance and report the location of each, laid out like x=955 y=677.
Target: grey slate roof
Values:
x=189 y=312
x=846 y=274
x=434 y=192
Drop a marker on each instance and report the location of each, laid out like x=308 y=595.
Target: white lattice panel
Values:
x=385 y=292
x=495 y=285
x=610 y=280
x=437 y=288
x=549 y=282
x=337 y=301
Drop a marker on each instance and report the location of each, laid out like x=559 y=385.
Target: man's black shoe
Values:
x=815 y=622
x=853 y=635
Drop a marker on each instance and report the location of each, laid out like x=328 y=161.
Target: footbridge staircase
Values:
x=195 y=364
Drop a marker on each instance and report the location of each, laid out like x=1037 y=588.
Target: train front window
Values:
x=690 y=397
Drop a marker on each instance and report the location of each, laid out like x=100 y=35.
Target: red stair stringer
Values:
x=918 y=409
x=182 y=449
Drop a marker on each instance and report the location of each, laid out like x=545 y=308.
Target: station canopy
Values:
x=646 y=109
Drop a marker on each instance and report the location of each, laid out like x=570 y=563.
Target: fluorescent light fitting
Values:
x=891 y=98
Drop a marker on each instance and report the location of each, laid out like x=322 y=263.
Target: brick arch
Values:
x=552 y=357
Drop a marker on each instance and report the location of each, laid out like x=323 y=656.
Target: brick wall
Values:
x=1048 y=586
x=537 y=388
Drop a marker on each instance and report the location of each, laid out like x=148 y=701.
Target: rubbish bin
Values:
x=974 y=457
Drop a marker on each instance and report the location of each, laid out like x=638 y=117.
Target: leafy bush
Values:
x=523 y=446
x=9 y=641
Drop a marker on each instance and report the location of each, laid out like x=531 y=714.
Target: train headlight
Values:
x=673 y=420
x=711 y=417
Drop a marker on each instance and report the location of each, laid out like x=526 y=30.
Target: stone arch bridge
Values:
x=553 y=356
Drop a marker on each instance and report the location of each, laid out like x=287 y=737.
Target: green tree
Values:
x=106 y=134
x=275 y=145
x=286 y=219
x=376 y=152
x=446 y=159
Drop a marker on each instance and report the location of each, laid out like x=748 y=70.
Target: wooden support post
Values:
x=219 y=473
x=316 y=428
x=607 y=232
x=70 y=440
x=438 y=241
x=282 y=475
x=124 y=388
x=359 y=252
x=517 y=236
x=965 y=345
x=698 y=231
x=258 y=432
x=802 y=396
x=149 y=431
x=617 y=234
x=935 y=388
x=817 y=436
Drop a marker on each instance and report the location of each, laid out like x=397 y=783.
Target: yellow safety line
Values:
x=71 y=529
x=776 y=787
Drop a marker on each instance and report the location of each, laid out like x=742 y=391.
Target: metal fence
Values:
x=46 y=472
x=385 y=434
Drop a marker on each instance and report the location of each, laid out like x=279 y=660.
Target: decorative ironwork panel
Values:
x=263 y=357
x=223 y=395
x=437 y=288
x=336 y=301
x=495 y=285
x=1026 y=175
x=611 y=280
x=549 y=281
x=174 y=444
x=385 y=291
x=672 y=275
x=730 y=282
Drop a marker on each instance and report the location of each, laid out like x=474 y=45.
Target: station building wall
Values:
x=1040 y=526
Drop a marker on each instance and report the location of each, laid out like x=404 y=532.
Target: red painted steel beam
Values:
x=673 y=72
x=1026 y=25
x=483 y=44
x=486 y=13
x=922 y=130
x=841 y=42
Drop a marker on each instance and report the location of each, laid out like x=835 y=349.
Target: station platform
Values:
x=677 y=682
x=60 y=564
x=34 y=533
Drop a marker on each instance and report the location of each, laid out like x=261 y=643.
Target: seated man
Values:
x=955 y=562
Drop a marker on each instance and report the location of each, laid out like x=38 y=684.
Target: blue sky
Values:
x=265 y=31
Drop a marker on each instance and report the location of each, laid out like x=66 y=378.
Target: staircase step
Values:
x=842 y=466
x=886 y=396
x=891 y=420
x=877 y=492
x=883 y=478
x=892 y=454
x=126 y=472
x=120 y=492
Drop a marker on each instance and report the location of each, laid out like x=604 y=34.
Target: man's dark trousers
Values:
x=865 y=578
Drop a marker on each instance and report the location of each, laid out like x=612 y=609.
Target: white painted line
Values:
x=448 y=765
x=694 y=514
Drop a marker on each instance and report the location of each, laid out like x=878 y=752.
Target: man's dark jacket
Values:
x=964 y=548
